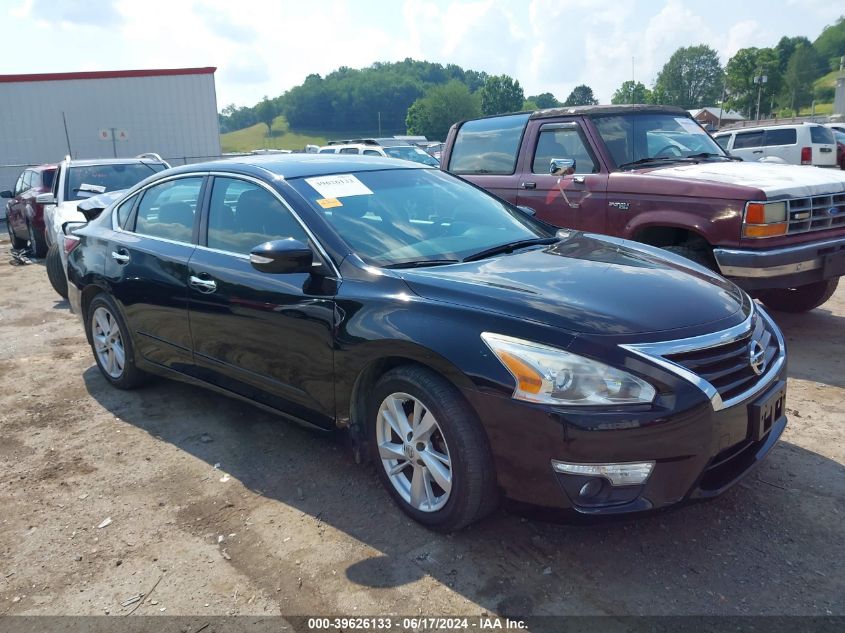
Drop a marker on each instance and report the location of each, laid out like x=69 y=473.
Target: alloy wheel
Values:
x=108 y=342
x=413 y=452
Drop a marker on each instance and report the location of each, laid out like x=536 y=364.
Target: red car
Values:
x=24 y=216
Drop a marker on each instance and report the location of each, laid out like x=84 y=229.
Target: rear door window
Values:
x=748 y=139
x=823 y=135
x=488 y=146
x=723 y=141
x=784 y=136
x=167 y=210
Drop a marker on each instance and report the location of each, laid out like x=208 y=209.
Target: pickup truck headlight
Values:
x=552 y=376
x=765 y=219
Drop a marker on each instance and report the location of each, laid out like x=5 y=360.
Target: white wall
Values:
x=172 y=115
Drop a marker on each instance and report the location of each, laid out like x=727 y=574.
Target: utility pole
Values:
x=760 y=79
x=633 y=81
x=379 y=123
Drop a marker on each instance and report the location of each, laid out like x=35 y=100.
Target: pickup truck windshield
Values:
x=641 y=137
x=411 y=217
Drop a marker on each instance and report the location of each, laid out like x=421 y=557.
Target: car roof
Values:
x=301 y=165
x=769 y=126
x=75 y=162
x=590 y=110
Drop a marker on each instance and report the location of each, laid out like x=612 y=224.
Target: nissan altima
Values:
x=475 y=353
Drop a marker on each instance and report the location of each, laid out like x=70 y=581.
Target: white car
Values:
x=78 y=180
x=404 y=152
x=793 y=144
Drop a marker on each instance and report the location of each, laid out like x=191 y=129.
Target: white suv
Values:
x=794 y=144
x=405 y=152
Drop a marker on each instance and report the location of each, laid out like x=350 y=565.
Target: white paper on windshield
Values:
x=689 y=125
x=340 y=186
x=92 y=188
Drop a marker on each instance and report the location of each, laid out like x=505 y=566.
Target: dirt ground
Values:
x=218 y=508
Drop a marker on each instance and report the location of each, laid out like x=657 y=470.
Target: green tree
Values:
x=434 y=114
x=501 y=94
x=266 y=111
x=692 y=78
x=786 y=46
x=545 y=100
x=830 y=45
x=581 y=95
x=801 y=71
x=529 y=105
x=631 y=92
x=740 y=72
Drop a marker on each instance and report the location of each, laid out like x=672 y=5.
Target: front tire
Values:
x=800 y=299
x=111 y=344
x=430 y=450
x=37 y=241
x=55 y=271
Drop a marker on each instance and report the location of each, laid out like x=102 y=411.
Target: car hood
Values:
x=773 y=179
x=587 y=284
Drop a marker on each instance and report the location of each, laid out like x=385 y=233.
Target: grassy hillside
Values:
x=829 y=80
x=255 y=137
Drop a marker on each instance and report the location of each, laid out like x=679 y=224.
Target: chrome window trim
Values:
x=225 y=174
x=655 y=352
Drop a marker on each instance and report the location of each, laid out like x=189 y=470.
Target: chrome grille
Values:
x=728 y=366
x=813 y=213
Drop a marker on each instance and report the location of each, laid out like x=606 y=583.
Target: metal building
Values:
x=44 y=117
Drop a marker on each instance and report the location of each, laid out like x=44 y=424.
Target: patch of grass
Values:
x=827 y=81
x=255 y=137
x=821 y=109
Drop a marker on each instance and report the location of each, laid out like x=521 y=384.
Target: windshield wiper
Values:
x=712 y=155
x=657 y=159
x=510 y=247
x=420 y=263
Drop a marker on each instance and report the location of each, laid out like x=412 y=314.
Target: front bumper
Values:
x=783 y=267
x=699 y=452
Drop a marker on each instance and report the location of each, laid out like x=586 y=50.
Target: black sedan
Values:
x=475 y=352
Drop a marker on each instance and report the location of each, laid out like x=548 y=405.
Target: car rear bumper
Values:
x=698 y=453
x=783 y=267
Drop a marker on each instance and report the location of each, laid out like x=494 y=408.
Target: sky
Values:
x=265 y=47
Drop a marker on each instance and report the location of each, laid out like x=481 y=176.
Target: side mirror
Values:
x=70 y=227
x=45 y=198
x=562 y=166
x=6 y=194
x=526 y=210
x=282 y=257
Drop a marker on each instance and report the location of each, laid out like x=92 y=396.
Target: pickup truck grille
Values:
x=727 y=367
x=814 y=213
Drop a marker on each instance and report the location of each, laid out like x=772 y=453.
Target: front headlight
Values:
x=553 y=376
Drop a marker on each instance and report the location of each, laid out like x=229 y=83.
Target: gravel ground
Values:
x=218 y=508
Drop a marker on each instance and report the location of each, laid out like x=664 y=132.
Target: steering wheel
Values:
x=671 y=149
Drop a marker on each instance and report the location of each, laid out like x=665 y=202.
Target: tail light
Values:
x=806 y=155
x=71 y=242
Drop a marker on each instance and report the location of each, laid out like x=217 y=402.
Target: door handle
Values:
x=120 y=258
x=579 y=179
x=528 y=185
x=757 y=151
x=203 y=285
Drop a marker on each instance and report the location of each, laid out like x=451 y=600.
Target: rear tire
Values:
x=419 y=419
x=111 y=344
x=800 y=299
x=37 y=241
x=17 y=242
x=55 y=271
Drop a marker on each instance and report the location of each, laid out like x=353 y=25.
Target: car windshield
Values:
x=402 y=217
x=84 y=181
x=415 y=154
x=654 y=136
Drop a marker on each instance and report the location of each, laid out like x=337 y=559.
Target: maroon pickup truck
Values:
x=652 y=174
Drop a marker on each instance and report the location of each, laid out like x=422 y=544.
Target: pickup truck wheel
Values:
x=430 y=450
x=800 y=299
x=55 y=271
x=700 y=255
x=16 y=241
x=37 y=242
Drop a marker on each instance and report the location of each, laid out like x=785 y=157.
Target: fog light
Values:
x=626 y=474
x=591 y=488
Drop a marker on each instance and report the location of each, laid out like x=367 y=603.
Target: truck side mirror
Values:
x=6 y=194
x=561 y=166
